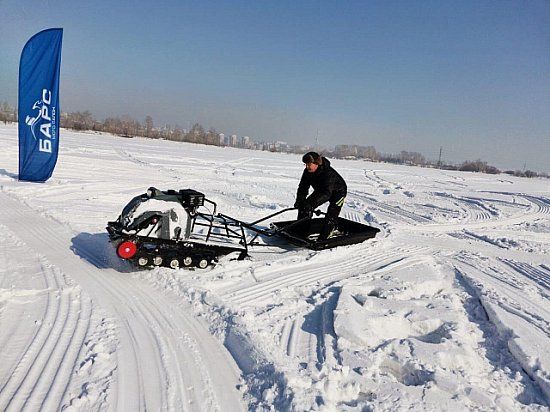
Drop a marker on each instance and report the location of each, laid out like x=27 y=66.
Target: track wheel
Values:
x=143 y=261
x=174 y=263
x=126 y=250
x=187 y=261
x=203 y=263
x=157 y=260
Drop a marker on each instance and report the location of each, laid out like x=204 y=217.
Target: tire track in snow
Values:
x=319 y=342
x=309 y=337
x=394 y=211
x=56 y=374
x=273 y=279
x=309 y=346
x=237 y=162
x=542 y=204
x=161 y=322
x=502 y=299
x=10 y=281
x=304 y=336
x=180 y=349
x=510 y=296
x=143 y=380
x=481 y=217
x=353 y=216
x=288 y=336
x=139 y=342
x=540 y=276
x=214 y=171
x=41 y=376
x=327 y=349
x=174 y=174
x=474 y=210
x=164 y=371
x=12 y=392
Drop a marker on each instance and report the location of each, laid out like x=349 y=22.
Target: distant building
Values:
x=245 y=142
x=221 y=138
x=280 y=146
x=233 y=140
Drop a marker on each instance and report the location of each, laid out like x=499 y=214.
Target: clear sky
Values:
x=470 y=76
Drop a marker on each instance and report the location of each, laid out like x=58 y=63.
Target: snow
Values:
x=446 y=309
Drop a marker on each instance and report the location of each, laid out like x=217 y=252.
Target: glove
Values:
x=305 y=211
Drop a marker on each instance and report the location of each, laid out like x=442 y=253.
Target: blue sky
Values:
x=470 y=76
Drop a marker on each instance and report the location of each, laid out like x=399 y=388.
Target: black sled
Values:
x=305 y=232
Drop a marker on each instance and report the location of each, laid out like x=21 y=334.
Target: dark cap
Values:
x=312 y=157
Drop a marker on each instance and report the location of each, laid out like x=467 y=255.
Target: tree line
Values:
x=418 y=159
x=127 y=126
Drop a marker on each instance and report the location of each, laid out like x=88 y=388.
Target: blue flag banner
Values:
x=39 y=105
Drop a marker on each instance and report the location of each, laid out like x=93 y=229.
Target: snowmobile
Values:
x=177 y=229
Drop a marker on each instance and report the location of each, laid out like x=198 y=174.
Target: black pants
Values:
x=330 y=221
x=331 y=218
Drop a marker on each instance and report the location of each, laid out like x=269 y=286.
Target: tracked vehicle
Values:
x=175 y=229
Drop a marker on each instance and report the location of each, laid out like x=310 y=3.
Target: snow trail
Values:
x=157 y=335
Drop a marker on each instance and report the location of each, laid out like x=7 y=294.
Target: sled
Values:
x=305 y=232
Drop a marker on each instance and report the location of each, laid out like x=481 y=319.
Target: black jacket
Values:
x=327 y=185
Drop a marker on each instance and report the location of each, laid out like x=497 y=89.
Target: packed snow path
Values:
x=448 y=308
x=165 y=358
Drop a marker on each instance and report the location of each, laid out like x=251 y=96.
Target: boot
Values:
x=328 y=228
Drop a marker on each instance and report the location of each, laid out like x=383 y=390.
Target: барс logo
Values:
x=44 y=121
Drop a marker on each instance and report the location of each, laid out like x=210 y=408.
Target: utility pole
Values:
x=439 y=161
x=317 y=140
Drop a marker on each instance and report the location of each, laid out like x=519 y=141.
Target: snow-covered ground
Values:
x=447 y=309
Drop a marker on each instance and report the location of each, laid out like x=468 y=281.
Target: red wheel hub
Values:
x=126 y=250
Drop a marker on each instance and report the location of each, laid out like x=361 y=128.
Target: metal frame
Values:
x=269 y=232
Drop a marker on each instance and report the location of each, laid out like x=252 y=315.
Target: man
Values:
x=328 y=186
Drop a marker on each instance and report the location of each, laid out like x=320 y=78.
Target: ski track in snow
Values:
x=43 y=370
x=511 y=281
x=165 y=358
x=105 y=338
x=271 y=280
